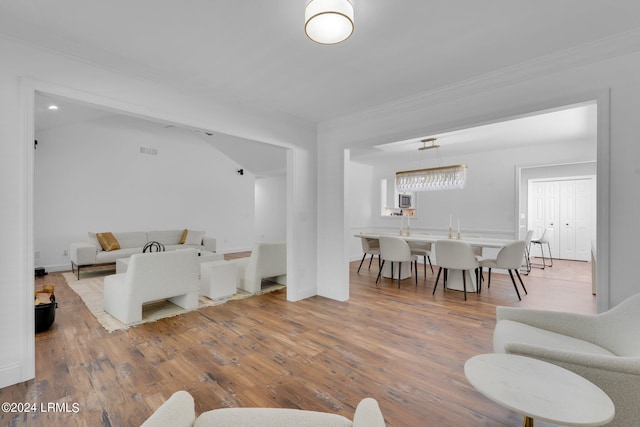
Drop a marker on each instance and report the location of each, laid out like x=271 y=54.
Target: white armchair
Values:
x=150 y=277
x=178 y=411
x=605 y=348
x=268 y=259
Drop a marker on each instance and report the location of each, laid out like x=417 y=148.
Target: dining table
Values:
x=454 y=277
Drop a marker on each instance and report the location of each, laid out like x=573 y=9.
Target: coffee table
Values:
x=539 y=390
x=122 y=264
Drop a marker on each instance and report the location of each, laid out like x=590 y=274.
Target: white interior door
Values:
x=544 y=208
x=585 y=190
x=567 y=246
x=552 y=214
x=536 y=210
x=565 y=208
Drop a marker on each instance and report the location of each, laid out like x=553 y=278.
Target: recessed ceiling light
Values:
x=53 y=107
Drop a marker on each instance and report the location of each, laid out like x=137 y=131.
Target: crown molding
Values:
x=599 y=50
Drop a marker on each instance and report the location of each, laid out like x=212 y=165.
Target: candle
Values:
x=458 y=225
x=450 y=219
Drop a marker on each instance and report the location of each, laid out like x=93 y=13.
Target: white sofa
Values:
x=605 y=348
x=150 y=277
x=179 y=411
x=91 y=252
x=267 y=260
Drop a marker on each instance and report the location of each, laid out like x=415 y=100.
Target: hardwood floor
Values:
x=404 y=347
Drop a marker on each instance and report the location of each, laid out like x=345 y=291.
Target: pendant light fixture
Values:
x=440 y=178
x=328 y=21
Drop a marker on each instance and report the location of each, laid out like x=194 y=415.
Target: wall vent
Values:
x=150 y=151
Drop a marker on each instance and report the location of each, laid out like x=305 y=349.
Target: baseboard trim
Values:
x=11 y=374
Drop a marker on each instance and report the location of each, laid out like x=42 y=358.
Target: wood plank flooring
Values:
x=404 y=347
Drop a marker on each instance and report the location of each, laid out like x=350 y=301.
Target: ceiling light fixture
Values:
x=328 y=21
x=440 y=178
x=53 y=107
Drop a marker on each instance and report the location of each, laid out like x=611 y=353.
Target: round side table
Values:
x=539 y=390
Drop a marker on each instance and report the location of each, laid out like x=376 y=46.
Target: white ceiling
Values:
x=261 y=159
x=257 y=50
x=576 y=123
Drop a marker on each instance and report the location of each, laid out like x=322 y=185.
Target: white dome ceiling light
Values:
x=328 y=21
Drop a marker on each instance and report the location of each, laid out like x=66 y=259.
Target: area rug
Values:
x=90 y=290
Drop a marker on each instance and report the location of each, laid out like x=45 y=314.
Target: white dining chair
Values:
x=422 y=249
x=370 y=247
x=509 y=258
x=396 y=250
x=477 y=250
x=543 y=240
x=456 y=255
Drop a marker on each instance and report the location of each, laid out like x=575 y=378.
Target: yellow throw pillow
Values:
x=108 y=241
x=184 y=236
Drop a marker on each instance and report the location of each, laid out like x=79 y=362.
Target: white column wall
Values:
x=302 y=228
x=534 y=87
x=363 y=204
x=271 y=209
x=333 y=229
x=26 y=69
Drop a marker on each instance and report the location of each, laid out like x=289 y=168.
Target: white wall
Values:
x=270 y=209
x=93 y=177
x=486 y=206
x=606 y=72
x=361 y=204
x=555 y=171
x=26 y=69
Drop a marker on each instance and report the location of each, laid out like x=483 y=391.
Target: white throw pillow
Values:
x=194 y=237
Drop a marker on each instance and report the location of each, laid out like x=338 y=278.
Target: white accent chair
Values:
x=179 y=411
x=151 y=277
x=456 y=255
x=267 y=260
x=509 y=258
x=395 y=249
x=605 y=348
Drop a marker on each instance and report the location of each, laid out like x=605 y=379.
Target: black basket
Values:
x=45 y=315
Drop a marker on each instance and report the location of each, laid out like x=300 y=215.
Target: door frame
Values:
x=601 y=260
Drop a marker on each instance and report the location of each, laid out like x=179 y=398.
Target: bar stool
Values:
x=543 y=240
